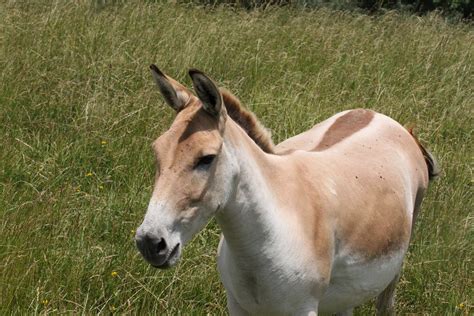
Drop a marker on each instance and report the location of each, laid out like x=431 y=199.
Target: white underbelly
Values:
x=354 y=282
x=280 y=292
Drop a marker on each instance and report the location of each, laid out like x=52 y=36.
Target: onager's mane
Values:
x=248 y=121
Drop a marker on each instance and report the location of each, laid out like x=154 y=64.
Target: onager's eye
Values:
x=204 y=162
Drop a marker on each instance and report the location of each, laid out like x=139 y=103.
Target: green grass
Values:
x=78 y=111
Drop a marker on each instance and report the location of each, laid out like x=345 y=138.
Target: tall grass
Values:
x=78 y=111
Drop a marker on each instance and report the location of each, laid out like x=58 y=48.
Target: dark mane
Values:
x=248 y=121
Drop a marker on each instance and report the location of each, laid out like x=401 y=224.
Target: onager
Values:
x=319 y=223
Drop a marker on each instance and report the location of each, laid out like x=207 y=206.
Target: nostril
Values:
x=161 y=247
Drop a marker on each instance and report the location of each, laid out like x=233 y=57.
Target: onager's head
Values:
x=194 y=169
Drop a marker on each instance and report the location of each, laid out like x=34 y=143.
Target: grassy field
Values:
x=78 y=111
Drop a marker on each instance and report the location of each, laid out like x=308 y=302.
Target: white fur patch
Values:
x=354 y=281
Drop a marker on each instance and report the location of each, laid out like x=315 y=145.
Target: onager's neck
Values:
x=252 y=214
x=265 y=221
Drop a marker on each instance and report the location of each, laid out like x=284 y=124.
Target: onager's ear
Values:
x=207 y=92
x=175 y=94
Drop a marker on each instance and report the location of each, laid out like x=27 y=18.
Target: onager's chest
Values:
x=270 y=286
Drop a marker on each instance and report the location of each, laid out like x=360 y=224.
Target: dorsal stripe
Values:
x=345 y=126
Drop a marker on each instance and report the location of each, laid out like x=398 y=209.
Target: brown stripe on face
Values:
x=344 y=127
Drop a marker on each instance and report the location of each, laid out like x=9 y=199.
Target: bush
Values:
x=457 y=8
x=464 y=7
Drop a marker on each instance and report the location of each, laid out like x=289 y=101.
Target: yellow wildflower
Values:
x=45 y=302
x=114 y=274
x=89 y=174
x=103 y=142
x=101 y=187
x=461 y=305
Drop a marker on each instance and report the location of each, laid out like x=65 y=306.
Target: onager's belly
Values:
x=353 y=283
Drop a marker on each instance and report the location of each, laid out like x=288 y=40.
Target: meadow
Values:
x=79 y=110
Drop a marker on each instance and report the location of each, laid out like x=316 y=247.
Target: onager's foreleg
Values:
x=345 y=313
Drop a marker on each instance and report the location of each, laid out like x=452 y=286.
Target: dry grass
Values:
x=78 y=111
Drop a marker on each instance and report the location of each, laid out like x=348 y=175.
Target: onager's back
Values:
x=318 y=223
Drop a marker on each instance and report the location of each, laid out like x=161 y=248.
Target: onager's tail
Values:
x=431 y=163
